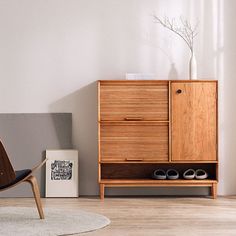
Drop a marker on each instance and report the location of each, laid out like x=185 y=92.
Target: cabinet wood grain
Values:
x=193 y=121
x=134 y=102
x=134 y=142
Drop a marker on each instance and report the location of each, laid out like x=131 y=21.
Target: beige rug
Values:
x=24 y=221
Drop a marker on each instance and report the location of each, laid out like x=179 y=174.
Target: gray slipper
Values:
x=172 y=174
x=189 y=174
x=159 y=174
x=201 y=174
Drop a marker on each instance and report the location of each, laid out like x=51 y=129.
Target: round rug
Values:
x=17 y=221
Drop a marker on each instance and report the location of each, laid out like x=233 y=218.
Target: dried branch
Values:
x=184 y=30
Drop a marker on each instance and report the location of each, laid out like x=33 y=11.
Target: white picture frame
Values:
x=62 y=173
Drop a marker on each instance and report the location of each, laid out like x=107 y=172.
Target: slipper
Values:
x=189 y=174
x=172 y=174
x=201 y=174
x=159 y=174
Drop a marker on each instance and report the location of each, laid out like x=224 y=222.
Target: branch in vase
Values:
x=185 y=30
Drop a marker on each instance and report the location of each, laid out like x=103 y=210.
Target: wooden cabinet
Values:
x=147 y=125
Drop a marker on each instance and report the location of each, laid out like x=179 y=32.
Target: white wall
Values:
x=227 y=69
x=53 y=51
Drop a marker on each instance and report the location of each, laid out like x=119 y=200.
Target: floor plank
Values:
x=151 y=216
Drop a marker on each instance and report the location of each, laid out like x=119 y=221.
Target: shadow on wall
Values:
x=83 y=105
x=173 y=73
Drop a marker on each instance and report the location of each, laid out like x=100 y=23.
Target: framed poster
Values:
x=62 y=173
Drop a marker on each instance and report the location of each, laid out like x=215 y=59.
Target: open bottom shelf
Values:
x=153 y=182
x=157 y=183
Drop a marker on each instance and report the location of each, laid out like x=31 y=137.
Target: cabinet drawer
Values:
x=133 y=142
x=138 y=101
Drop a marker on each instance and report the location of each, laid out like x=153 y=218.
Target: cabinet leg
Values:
x=214 y=191
x=102 y=189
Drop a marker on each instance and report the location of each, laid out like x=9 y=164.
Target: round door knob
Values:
x=179 y=91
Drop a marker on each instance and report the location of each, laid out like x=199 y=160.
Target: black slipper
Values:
x=189 y=174
x=159 y=174
x=172 y=174
x=201 y=174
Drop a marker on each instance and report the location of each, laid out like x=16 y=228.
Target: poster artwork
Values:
x=61 y=170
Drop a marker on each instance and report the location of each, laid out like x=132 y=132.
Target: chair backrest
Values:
x=7 y=173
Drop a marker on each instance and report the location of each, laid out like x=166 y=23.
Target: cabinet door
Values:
x=194 y=121
x=127 y=101
x=133 y=142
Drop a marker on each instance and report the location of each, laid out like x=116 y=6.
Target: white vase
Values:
x=192 y=67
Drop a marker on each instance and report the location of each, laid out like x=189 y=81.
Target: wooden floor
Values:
x=152 y=216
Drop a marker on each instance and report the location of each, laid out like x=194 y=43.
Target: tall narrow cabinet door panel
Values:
x=133 y=142
x=194 y=121
x=133 y=100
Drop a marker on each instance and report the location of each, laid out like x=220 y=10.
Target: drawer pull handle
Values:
x=179 y=91
x=133 y=118
x=132 y=159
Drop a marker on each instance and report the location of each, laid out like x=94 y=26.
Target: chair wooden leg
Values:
x=34 y=184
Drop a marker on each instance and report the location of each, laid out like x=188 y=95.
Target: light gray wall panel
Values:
x=27 y=136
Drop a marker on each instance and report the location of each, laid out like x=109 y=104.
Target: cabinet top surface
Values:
x=157 y=81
